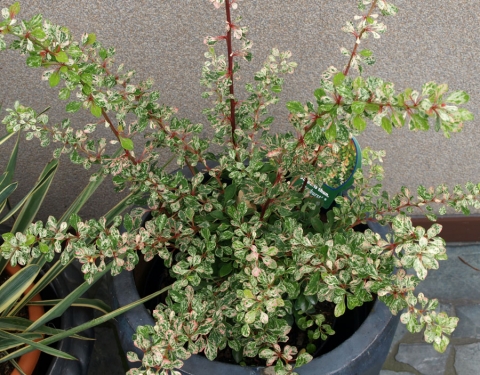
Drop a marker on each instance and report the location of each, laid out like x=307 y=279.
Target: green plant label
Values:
x=327 y=194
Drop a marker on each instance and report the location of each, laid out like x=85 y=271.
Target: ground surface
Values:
x=457 y=286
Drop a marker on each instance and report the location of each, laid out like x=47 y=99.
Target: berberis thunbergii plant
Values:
x=250 y=253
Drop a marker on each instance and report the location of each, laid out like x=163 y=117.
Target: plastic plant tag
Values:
x=327 y=194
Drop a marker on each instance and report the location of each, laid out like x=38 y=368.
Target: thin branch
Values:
x=117 y=135
x=468 y=264
x=264 y=208
x=230 y=71
x=354 y=52
x=190 y=167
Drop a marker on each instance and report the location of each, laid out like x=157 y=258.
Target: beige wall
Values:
x=429 y=40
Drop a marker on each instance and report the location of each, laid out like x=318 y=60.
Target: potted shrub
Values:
x=252 y=246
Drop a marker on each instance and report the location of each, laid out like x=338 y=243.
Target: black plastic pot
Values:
x=363 y=353
x=65 y=283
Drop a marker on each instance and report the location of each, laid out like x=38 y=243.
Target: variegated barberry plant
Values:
x=247 y=247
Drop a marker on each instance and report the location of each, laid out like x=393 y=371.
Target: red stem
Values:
x=354 y=52
x=264 y=208
x=117 y=135
x=278 y=179
x=304 y=185
x=230 y=71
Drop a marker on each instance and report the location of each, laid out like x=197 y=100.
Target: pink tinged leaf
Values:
x=271 y=360
x=189 y=293
x=256 y=272
x=269 y=262
x=287 y=350
x=237 y=32
x=221 y=329
x=133 y=357
x=119 y=262
x=216 y=3
x=191 y=327
x=274 y=153
x=165 y=361
x=252 y=256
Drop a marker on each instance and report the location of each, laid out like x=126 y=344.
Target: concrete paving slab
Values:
x=467 y=359
x=457 y=286
x=454 y=280
x=400 y=333
x=469 y=323
x=423 y=358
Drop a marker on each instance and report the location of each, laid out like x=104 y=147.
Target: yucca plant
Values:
x=20 y=283
x=21 y=289
x=19 y=335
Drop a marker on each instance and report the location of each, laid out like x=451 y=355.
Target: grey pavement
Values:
x=455 y=284
x=457 y=287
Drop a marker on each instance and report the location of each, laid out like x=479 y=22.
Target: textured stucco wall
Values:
x=428 y=40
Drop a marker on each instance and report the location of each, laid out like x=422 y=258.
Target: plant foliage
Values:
x=247 y=246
